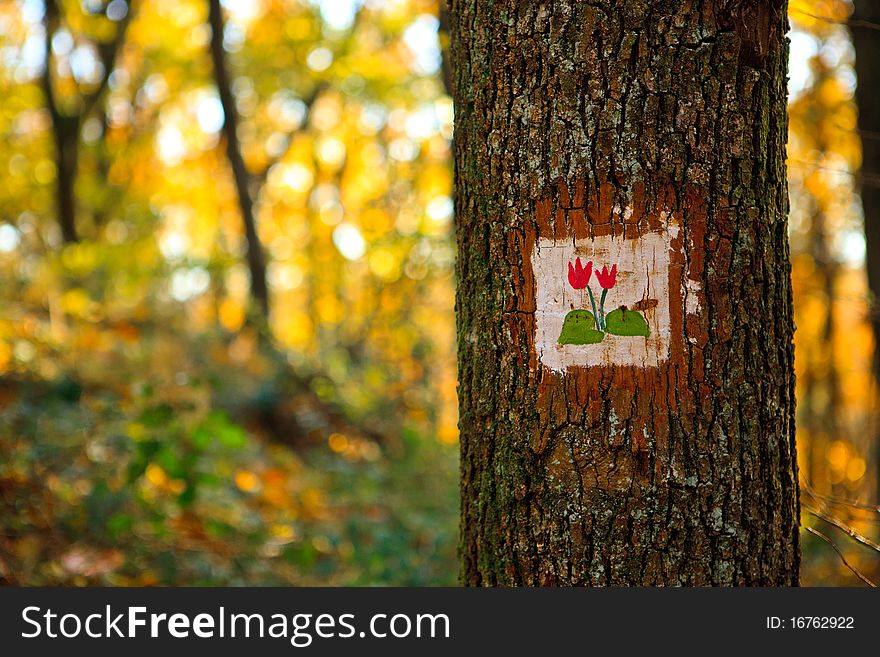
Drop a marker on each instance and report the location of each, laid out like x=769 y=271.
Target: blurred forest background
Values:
x=227 y=348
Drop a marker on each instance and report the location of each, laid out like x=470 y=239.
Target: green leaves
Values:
x=626 y=322
x=580 y=328
x=217 y=427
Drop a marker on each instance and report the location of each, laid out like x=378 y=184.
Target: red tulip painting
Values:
x=581 y=326
x=578 y=275
x=579 y=278
x=607 y=300
x=606 y=278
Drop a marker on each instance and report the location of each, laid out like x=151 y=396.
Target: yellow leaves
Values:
x=299 y=28
x=136 y=431
x=156 y=475
x=823 y=123
x=326 y=112
x=385 y=265
x=119 y=173
x=237 y=281
x=231 y=314
x=448 y=433
x=353 y=448
x=5 y=356
x=375 y=223
x=834 y=383
x=832 y=343
x=329 y=309
x=818 y=16
x=838 y=454
x=78 y=303
x=845 y=464
x=337 y=442
x=243 y=348
x=331 y=153
x=856 y=468
x=283 y=533
x=295 y=330
x=285 y=276
x=295 y=176
x=183 y=14
x=81 y=258
x=830 y=92
x=435 y=181
x=44 y=172
x=246 y=481
x=314 y=501
x=159 y=479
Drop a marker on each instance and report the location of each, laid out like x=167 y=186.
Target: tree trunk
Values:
x=867 y=47
x=66 y=131
x=651 y=443
x=66 y=127
x=255 y=257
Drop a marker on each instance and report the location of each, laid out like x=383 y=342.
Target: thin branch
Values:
x=108 y=52
x=846 y=529
x=864 y=134
x=865 y=179
x=849 y=22
x=443 y=33
x=846 y=563
x=51 y=18
x=255 y=257
x=837 y=500
x=65 y=132
x=309 y=101
x=66 y=127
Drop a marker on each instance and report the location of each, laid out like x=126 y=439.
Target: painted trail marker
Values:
x=617 y=366
x=609 y=300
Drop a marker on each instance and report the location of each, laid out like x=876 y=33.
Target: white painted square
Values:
x=642 y=274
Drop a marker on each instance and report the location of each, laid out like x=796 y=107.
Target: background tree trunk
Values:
x=66 y=124
x=255 y=257
x=65 y=131
x=866 y=41
x=626 y=119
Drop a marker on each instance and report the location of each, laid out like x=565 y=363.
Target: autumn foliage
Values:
x=158 y=427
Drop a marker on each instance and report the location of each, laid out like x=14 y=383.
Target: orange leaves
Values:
x=127 y=332
x=247 y=481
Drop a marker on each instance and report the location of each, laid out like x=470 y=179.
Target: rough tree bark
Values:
x=866 y=40
x=592 y=129
x=255 y=257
